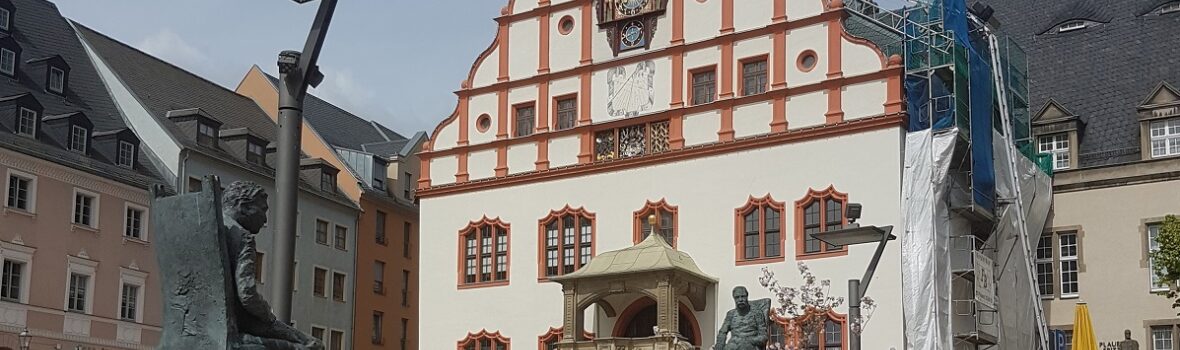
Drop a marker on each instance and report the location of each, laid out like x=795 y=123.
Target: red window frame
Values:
x=486 y=253
x=820 y=198
x=650 y=208
x=793 y=337
x=484 y=341
x=760 y=206
x=583 y=247
x=555 y=335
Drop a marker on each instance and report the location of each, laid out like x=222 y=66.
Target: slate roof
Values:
x=343 y=129
x=1102 y=72
x=162 y=87
x=41 y=31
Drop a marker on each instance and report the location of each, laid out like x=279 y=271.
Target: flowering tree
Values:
x=808 y=306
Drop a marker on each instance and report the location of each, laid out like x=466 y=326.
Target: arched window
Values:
x=666 y=215
x=810 y=333
x=816 y=212
x=566 y=241
x=549 y=340
x=484 y=341
x=759 y=231
x=483 y=254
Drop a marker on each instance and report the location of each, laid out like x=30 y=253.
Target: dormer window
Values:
x=5 y=19
x=255 y=153
x=26 y=122
x=1170 y=8
x=126 y=157
x=1071 y=26
x=206 y=135
x=328 y=182
x=8 y=62
x=57 y=80
x=1165 y=138
x=78 y=138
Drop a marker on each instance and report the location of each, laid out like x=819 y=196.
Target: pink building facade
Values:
x=70 y=283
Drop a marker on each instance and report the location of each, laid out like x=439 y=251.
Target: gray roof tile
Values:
x=1102 y=72
x=41 y=31
x=339 y=127
x=162 y=88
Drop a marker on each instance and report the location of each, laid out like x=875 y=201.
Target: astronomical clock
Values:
x=629 y=23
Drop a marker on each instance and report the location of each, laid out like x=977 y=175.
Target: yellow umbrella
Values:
x=1083 y=330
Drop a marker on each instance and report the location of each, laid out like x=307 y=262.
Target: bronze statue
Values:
x=244 y=213
x=745 y=325
x=1128 y=343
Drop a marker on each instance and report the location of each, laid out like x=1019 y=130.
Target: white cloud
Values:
x=169 y=46
x=343 y=90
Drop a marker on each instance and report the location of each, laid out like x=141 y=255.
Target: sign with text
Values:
x=985 y=285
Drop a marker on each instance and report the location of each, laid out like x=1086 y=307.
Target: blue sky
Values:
x=393 y=61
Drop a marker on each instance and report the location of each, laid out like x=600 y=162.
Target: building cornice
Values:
x=761 y=141
x=1116 y=175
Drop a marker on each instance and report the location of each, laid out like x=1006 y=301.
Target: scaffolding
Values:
x=964 y=78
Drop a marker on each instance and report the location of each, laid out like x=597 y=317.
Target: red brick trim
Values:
x=813 y=196
x=581 y=214
x=473 y=228
x=739 y=232
x=649 y=208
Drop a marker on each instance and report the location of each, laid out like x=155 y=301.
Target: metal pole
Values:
x=854 y=296
x=296 y=72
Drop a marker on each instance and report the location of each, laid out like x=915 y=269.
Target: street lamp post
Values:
x=297 y=71
x=25 y=338
x=852 y=235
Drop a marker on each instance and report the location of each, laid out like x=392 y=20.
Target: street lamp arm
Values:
x=868 y=277
x=308 y=70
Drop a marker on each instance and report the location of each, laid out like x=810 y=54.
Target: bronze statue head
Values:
x=1127 y=334
x=245 y=202
x=741 y=298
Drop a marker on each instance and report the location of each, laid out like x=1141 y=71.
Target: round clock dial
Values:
x=630 y=7
x=632 y=35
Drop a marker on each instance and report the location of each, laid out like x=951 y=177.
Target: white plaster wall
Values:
x=752 y=119
x=565 y=50
x=702 y=21
x=522 y=158
x=527 y=93
x=864 y=100
x=750 y=14
x=701 y=128
x=813 y=38
x=564 y=151
x=523 y=47
x=565 y=86
x=447 y=137
x=807 y=110
x=487 y=71
x=481 y=164
x=797 y=9
x=859 y=59
x=519 y=6
x=706 y=221
x=443 y=169
x=481 y=104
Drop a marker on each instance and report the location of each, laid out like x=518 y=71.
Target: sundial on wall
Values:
x=631 y=89
x=629 y=24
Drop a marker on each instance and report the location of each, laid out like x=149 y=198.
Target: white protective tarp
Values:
x=925 y=242
x=1016 y=289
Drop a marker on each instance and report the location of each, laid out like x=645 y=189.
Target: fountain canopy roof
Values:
x=651 y=255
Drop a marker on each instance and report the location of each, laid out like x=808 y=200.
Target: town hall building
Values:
x=733 y=132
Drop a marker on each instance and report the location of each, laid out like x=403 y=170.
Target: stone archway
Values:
x=637 y=320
